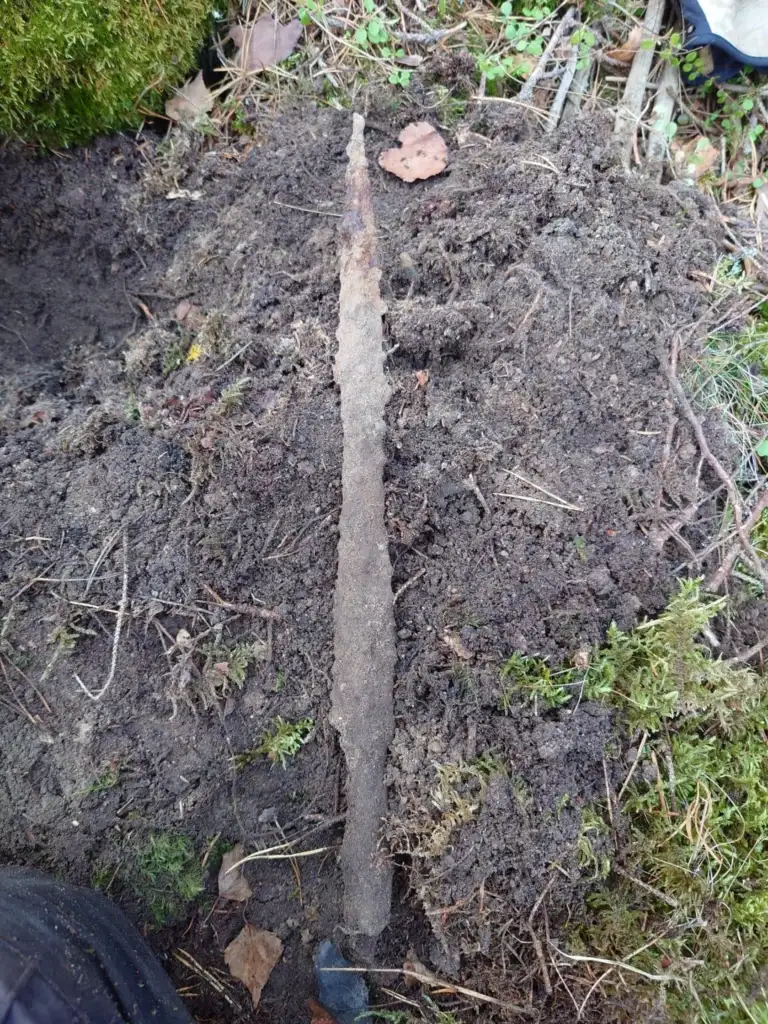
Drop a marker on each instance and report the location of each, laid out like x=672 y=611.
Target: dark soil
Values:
x=532 y=295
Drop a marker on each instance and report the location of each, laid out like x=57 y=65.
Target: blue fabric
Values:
x=343 y=993
x=728 y=60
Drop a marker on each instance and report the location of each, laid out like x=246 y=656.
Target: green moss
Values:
x=689 y=903
x=70 y=69
x=168 y=875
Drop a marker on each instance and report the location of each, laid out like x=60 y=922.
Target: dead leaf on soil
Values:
x=454 y=644
x=319 y=1014
x=264 y=43
x=191 y=103
x=422 y=153
x=251 y=957
x=232 y=883
x=695 y=158
x=625 y=52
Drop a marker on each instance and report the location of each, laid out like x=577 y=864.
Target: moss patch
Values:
x=70 y=69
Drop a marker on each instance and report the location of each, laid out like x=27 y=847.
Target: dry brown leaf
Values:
x=251 y=958
x=422 y=154
x=319 y=1014
x=232 y=883
x=265 y=42
x=191 y=103
x=625 y=52
x=695 y=158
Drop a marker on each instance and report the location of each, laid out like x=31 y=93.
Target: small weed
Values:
x=174 y=357
x=457 y=797
x=592 y=829
x=232 y=397
x=535 y=680
x=523 y=794
x=108 y=779
x=132 y=408
x=581 y=548
x=103 y=876
x=215 y=849
x=279 y=683
x=64 y=638
x=284 y=740
x=168 y=875
x=225 y=667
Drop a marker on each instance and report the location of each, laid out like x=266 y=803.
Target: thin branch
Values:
x=556 y=110
x=632 y=102
x=664 y=979
x=570 y=18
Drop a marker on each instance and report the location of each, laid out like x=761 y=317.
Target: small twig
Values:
x=241 y=351
x=579 y=88
x=118 y=630
x=664 y=979
x=471 y=485
x=726 y=565
x=433 y=981
x=596 y=985
x=19 y=335
x=635 y=763
x=538 y=487
x=648 y=888
x=408 y=583
x=711 y=458
x=608 y=796
x=529 y=313
x=306 y=209
x=537 y=501
x=570 y=18
x=107 y=547
x=538 y=948
x=747 y=655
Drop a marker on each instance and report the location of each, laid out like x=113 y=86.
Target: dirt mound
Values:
x=531 y=294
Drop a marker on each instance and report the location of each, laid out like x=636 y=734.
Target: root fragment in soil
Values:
x=364 y=640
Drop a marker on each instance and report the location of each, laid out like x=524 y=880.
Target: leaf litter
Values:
x=191 y=103
x=232 y=883
x=264 y=43
x=422 y=153
x=251 y=957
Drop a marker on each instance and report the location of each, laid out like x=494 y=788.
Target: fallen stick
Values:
x=633 y=100
x=364 y=621
x=556 y=110
x=579 y=89
x=569 y=19
x=663 y=111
